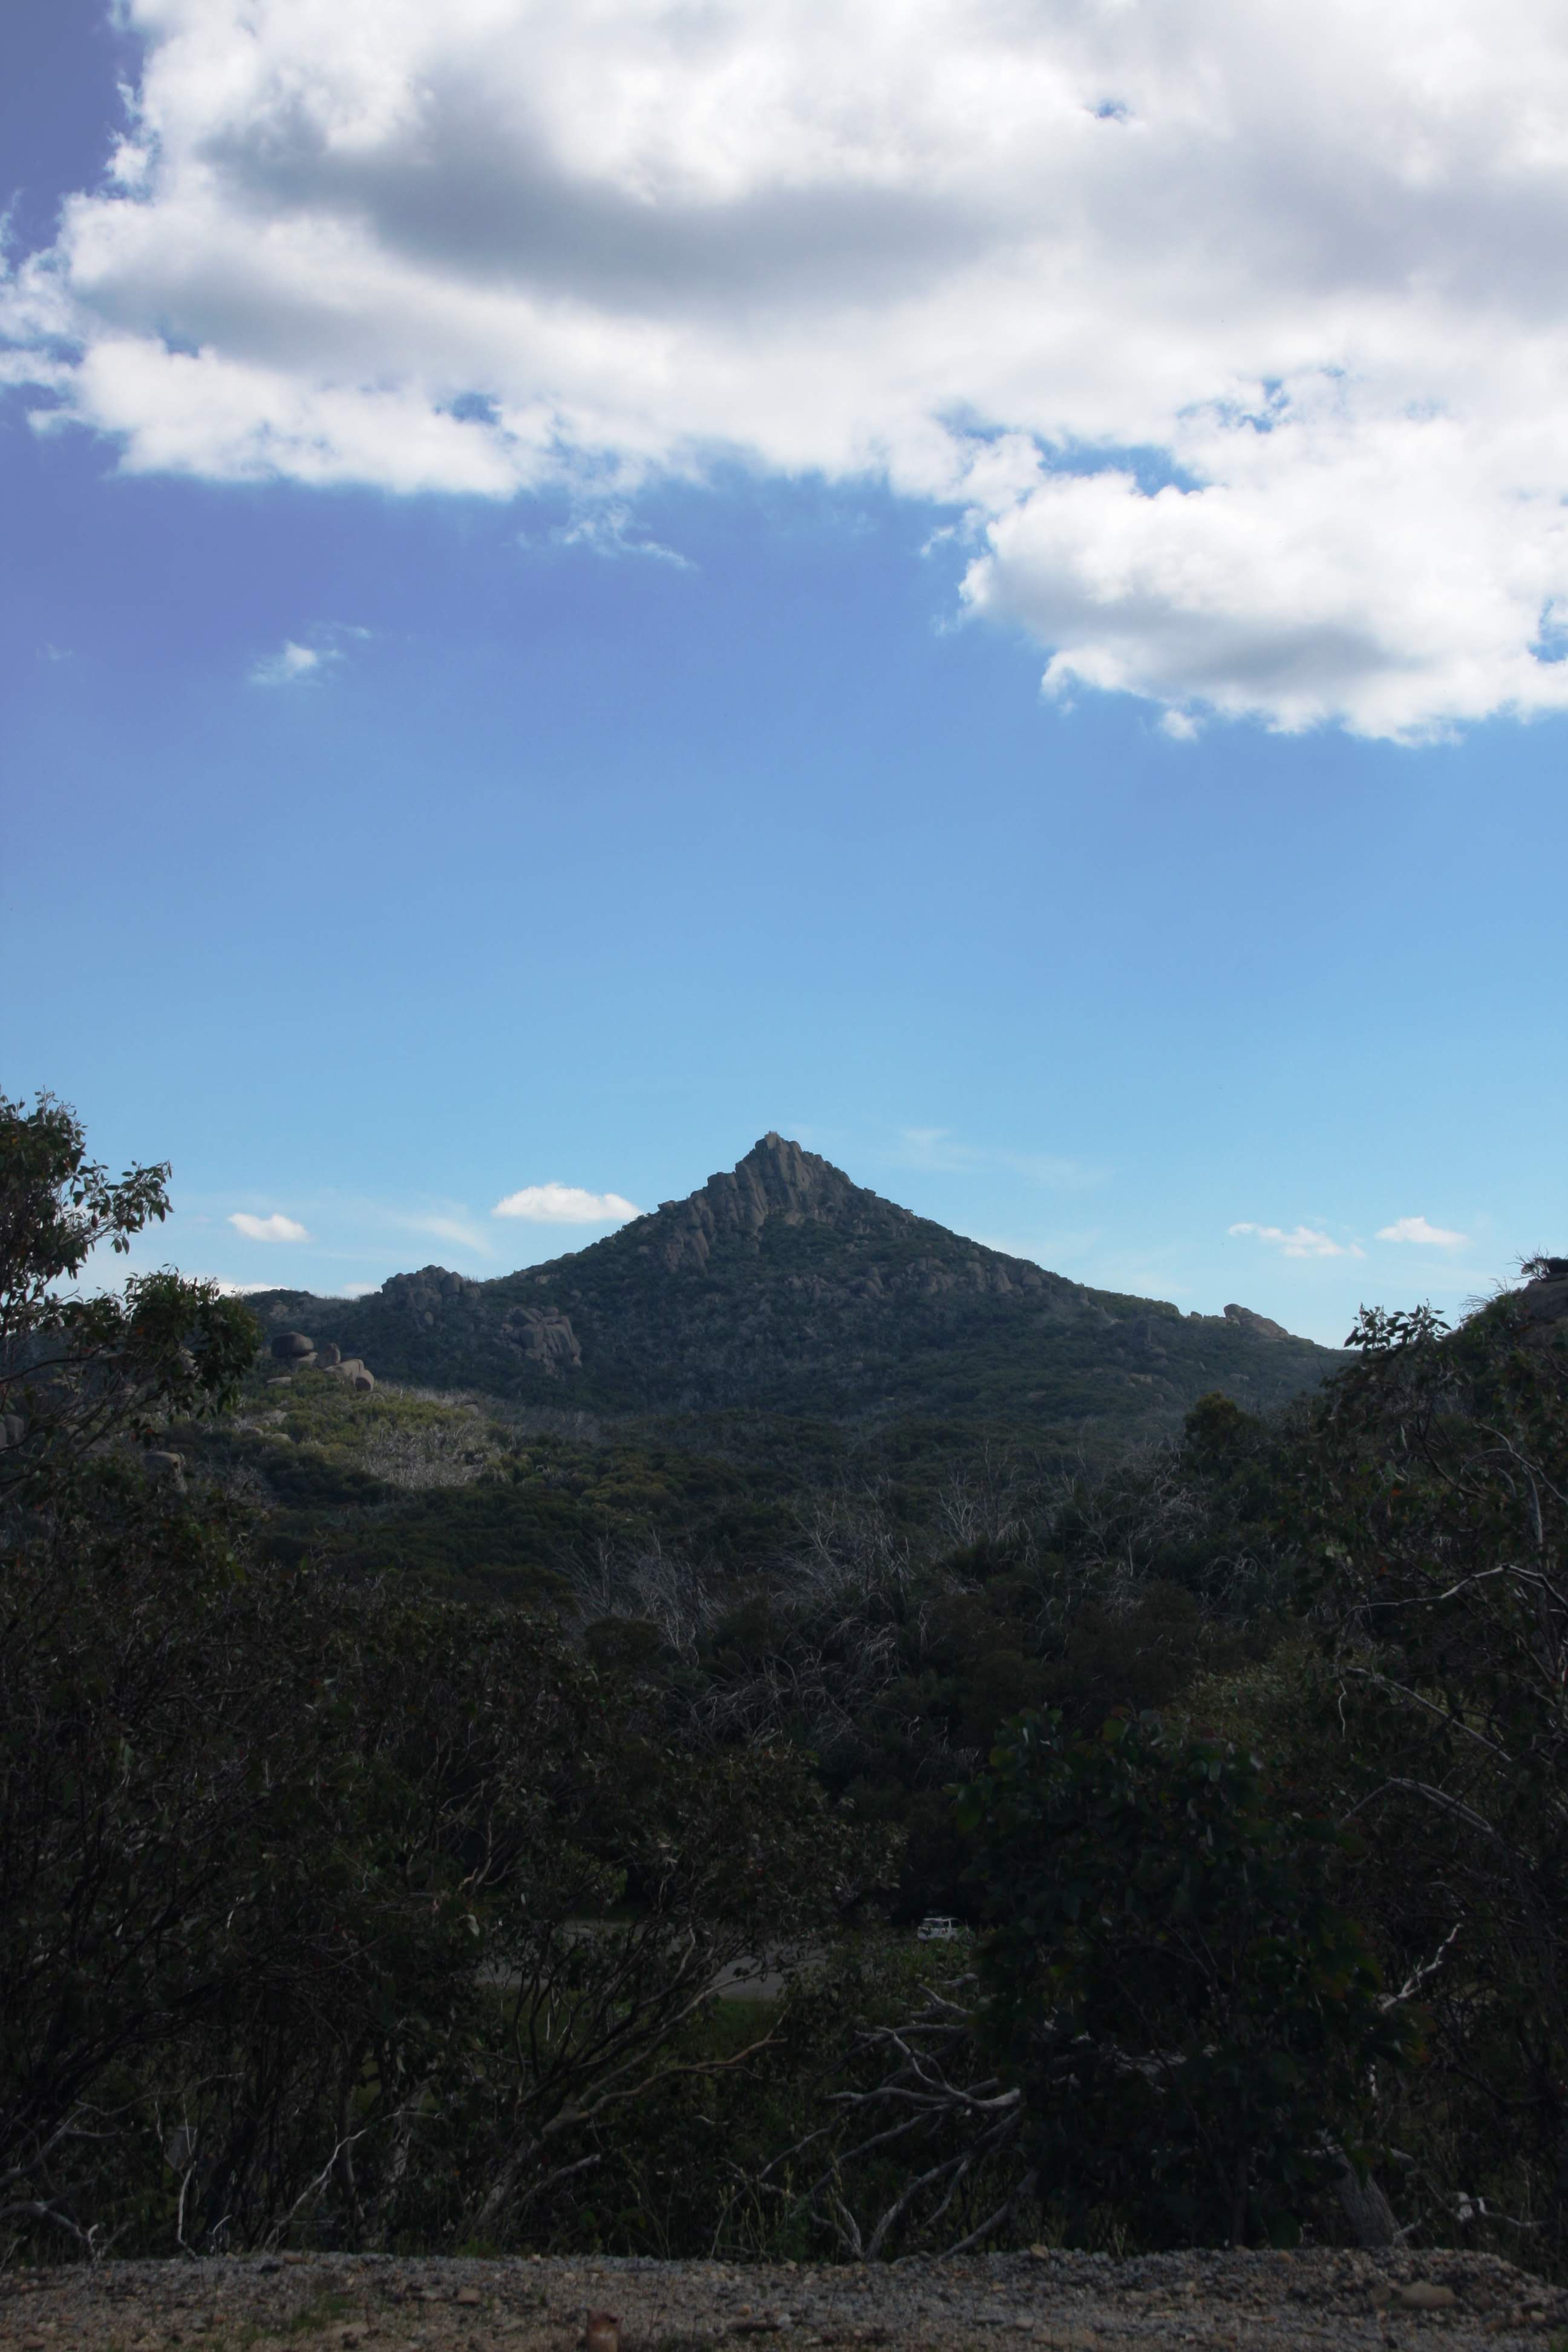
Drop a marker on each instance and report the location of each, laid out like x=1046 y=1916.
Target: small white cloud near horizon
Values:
x=276 y=1228
x=1417 y=1230
x=1300 y=1240
x=566 y=1204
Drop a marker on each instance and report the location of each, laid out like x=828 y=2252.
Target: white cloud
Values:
x=276 y=1228
x=295 y=661
x=1416 y=1229
x=608 y=531
x=227 y=1289
x=565 y=1205
x=1300 y=1240
x=1236 y=333
x=289 y=665
x=357 y=1289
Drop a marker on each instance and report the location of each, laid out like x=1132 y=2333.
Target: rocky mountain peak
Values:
x=776 y=1180
x=782 y=1285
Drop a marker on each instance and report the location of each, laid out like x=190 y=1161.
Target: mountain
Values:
x=781 y=1286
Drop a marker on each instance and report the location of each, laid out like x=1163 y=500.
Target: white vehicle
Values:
x=937 y=1927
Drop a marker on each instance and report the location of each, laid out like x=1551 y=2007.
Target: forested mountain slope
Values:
x=783 y=1287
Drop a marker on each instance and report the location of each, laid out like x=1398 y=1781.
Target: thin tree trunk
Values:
x=1238 y=2199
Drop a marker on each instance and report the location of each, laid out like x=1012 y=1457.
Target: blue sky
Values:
x=389 y=835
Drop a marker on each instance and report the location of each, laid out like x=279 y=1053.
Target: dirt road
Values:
x=1061 y=2303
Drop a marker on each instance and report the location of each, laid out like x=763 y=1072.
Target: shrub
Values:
x=1192 y=2021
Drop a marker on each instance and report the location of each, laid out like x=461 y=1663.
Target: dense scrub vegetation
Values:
x=388 y=1783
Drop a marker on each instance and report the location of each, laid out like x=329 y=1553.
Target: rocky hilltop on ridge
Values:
x=783 y=1285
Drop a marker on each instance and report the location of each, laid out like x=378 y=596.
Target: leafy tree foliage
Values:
x=1191 y=2018
x=77 y=1369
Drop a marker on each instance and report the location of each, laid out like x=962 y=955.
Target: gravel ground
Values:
x=1078 y=2303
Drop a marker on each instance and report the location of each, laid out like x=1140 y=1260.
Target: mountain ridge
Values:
x=782 y=1284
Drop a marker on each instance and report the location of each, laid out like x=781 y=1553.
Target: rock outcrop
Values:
x=1262 y=1326
x=778 y=1183
x=545 y=1337
x=299 y=1353
x=775 y=1179
x=431 y=1293
x=1541 y=1306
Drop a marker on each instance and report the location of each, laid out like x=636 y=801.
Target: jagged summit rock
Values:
x=775 y=1180
x=1541 y=1307
x=1262 y=1326
x=783 y=1286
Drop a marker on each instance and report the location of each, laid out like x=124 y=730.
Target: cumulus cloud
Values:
x=1235 y=334
x=1416 y=1229
x=565 y=1205
x=276 y=1228
x=1300 y=1240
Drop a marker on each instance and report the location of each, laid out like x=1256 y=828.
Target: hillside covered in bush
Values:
x=783 y=1287
x=393 y=1784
